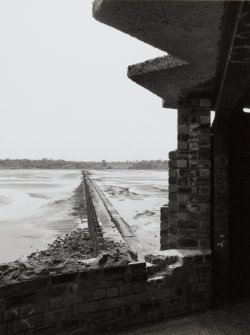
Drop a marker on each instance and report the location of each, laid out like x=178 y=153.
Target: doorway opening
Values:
x=239 y=203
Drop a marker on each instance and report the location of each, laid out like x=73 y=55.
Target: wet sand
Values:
x=35 y=208
x=137 y=195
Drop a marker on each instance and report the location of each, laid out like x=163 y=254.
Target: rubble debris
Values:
x=72 y=252
x=76 y=245
x=102 y=258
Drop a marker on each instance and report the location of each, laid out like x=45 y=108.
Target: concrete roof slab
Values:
x=181 y=28
x=189 y=30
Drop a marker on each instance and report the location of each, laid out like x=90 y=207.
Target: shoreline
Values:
x=73 y=251
x=38 y=211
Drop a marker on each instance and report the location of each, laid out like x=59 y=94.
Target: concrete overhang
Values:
x=190 y=31
x=163 y=76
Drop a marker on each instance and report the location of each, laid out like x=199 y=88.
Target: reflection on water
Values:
x=31 y=211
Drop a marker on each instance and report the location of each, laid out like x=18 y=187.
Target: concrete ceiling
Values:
x=234 y=85
x=190 y=31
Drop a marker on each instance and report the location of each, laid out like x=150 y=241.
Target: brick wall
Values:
x=164 y=228
x=193 y=166
x=94 y=227
x=189 y=179
x=105 y=299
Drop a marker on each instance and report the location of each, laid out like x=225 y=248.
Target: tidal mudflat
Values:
x=35 y=208
x=137 y=195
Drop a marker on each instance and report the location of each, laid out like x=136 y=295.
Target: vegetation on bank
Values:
x=63 y=164
x=150 y=165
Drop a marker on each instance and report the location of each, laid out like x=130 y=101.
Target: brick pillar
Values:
x=172 y=213
x=193 y=170
x=169 y=212
x=164 y=228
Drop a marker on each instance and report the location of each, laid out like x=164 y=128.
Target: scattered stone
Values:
x=102 y=258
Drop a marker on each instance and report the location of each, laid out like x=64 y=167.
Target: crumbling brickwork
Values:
x=189 y=179
x=99 y=300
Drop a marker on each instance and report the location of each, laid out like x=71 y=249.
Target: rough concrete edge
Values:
x=157 y=64
x=92 y=265
x=165 y=104
x=96 y=6
x=175 y=259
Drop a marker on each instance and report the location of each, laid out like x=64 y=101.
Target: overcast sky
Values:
x=64 y=92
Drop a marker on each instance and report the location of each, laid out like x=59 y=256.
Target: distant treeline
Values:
x=62 y=164
x=46 y=164
x=148 y=165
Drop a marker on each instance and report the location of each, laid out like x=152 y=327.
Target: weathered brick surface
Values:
x=189 y=180
x=168 y=212
x=99 y=294
x=117 y=297
x=193 y=173
x=112 y=292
